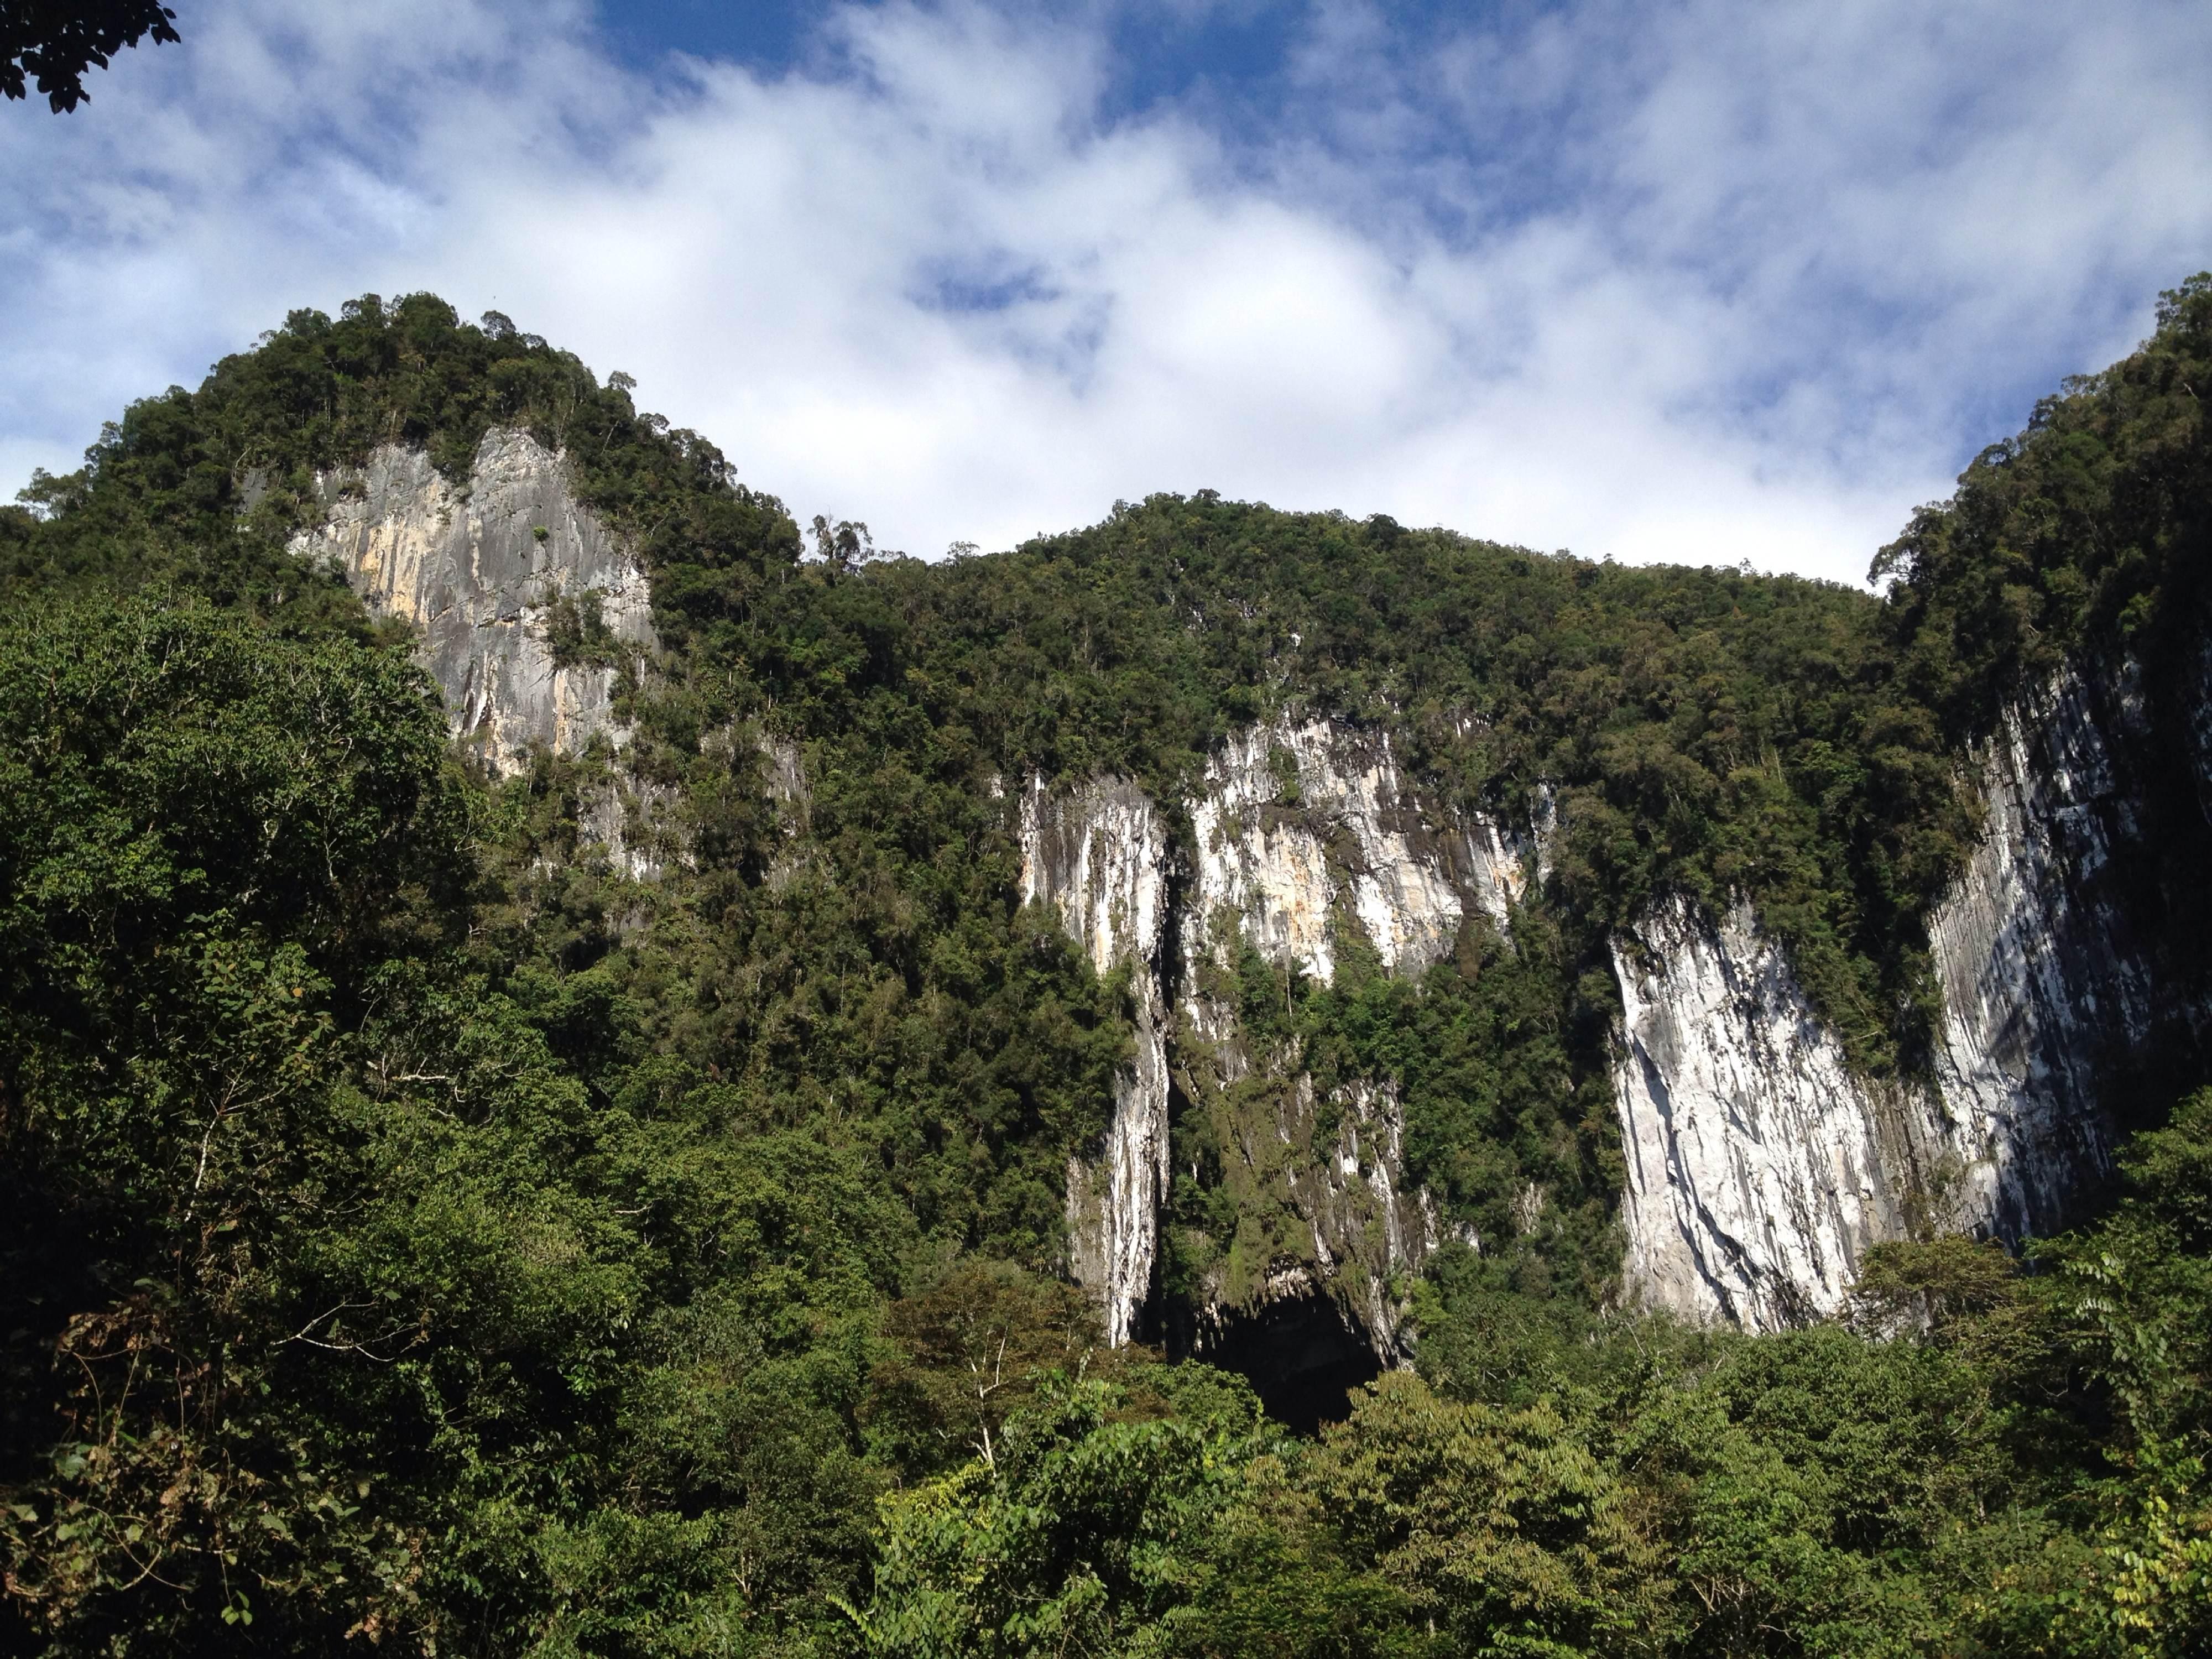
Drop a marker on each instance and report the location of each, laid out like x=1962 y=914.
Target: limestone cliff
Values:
x=1098 y=855
x=1301 y=834
x=1760 y=1167
x=1761 y=1164
x=479 y=571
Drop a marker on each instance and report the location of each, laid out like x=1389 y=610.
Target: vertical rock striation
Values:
x=1301 y=828
x=1760 y=1167
x=1099 y=857
x=2046 y=981
x=476 y=571
x=1304 y=837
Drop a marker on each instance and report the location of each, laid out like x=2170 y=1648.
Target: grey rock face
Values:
x=1365 y=1225
x=2044 y=980
x=1358 y=838
x=1098 y=856
x=1303 y=833
x=1760 y=1168
x=473 y=572
x=636 y=823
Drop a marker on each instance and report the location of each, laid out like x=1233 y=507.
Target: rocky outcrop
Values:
x=1367 y=1226
x=1298 y=822
x=1099 y=857
x=2045 y=978
x=1305 y=839
x=1760 y=1167
x=480 y=572
x=1307 y=835
x=636 y=823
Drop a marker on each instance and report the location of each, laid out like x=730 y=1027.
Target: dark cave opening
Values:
x=1303 y=1358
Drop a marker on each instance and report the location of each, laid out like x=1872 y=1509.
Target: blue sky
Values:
x=1671 y=279
x=1157 y=52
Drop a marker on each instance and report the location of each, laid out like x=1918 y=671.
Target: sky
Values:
x=1716 y=281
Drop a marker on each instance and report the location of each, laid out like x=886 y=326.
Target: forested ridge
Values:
x=415 y=1233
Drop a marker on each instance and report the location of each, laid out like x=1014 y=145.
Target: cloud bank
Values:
x=1695 y=281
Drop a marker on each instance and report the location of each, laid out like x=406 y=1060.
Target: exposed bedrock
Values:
x=1760 y=1168
x=1761 y=1165
x=479 y=571
x=1099 y=856
x=1302 y=836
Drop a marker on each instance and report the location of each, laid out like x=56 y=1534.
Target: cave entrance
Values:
x=1303 y=1357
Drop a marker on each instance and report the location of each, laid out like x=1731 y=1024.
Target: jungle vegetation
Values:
x=415 y=1233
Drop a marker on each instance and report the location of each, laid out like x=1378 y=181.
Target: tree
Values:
x=969 y=1350
x=1097 y=1533
x=1503 y=1529
x=844 y=546
x=56 y=41
x=2135 y=1295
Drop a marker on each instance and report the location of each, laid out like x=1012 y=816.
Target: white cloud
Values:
x=1703 y=281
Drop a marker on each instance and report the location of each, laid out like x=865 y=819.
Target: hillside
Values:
x=584 y=1070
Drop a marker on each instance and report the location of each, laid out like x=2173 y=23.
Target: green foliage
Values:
x=1500 y=1061
x=356 y=1306
x=2133 y=1301
x=1097 y=1533
x=577 y=629
x=2086 y=539
x=1977 y=1463
x=202 y=488
x=415 y=1229
x=2088 y=529
x=969 y=1350
x=1502 y=1532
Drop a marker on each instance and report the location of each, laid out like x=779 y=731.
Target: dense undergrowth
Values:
x=414 y=1232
